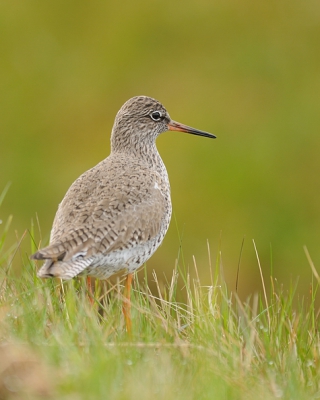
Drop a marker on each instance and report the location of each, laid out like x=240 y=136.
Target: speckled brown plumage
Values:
x=114 y=216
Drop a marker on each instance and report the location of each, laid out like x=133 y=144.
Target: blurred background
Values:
x=246 y=71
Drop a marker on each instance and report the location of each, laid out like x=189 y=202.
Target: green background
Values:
x=247 y=71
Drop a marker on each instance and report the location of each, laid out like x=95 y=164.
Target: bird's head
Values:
x=141 y=120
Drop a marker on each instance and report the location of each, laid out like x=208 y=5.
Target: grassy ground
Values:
x=55 y=344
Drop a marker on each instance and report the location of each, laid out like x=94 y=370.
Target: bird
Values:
x=116 y=214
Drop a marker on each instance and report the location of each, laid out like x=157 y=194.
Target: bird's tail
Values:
x=62 y=260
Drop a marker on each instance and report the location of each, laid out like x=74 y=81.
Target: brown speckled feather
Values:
x=115 y=215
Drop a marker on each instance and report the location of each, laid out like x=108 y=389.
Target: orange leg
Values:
x=91 y=296
x=127 y=304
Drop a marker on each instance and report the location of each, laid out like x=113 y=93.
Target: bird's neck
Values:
x=143 y=152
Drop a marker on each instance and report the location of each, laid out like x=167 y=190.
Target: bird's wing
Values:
x=136 y=223
x=121 y=216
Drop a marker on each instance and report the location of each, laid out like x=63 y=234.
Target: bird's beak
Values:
x=176 y=126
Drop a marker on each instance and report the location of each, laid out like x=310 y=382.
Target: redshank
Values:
x=115 y=216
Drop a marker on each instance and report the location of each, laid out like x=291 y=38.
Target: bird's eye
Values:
x=156 y=115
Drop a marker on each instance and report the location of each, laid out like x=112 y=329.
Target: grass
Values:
x=210 y=345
